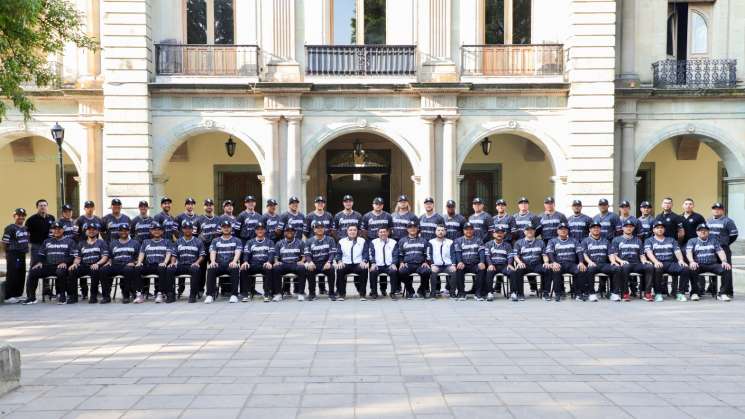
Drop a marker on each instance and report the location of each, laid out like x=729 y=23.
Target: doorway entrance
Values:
x=364 y=175
x=234 y=182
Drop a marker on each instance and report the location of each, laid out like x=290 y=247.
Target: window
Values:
x=507 y=21
x=699 y=34
x=210 y=22
x=345 y=30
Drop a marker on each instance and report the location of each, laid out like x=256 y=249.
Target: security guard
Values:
x=596 y=257
x=15 y=247
x=258 y=254
x=68 y=224
x=92 y=255
x=56 y=255
x=112 y=221
x=123 y=255
x=188 y=255
x=384 y=260
x=87 y=217
x=624 y=213
x=271 y=221
x=627 y=253
x=691 y=220
x=453 y=221
x=503 y=220
x=346 y=217
x=470 y=258
x=140 y=225
x=609 y=222
x=646 y=220
x=288 y=259
x=412 y=259
x=578 y=222
x=401 y=218
x=663 y=252
x=429 y=221
x=153 y=259
x=228 y=214
x=498 y=255
x=567 y=257
x=480 y=220
x=672 y=222
x=293 y=217
x=723 y=228
x=248 y=219
x=188 y=215
x=441 y=259
x=352 y=257
x=705 y=254
x=225 y=256
x=376 y=219
x=319 y=258
x=529 y=257
x=550 y=219
x=165 y=220
x=320 y=215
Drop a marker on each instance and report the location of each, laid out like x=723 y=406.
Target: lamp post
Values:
x=230 y=147
x=58 y=134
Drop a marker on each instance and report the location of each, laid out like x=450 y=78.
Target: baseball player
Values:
x=319 y=253
x=227 y=214
x=186 y=259
x=705 y=254
x=248 y=219
x=429 y=221
x=498 y=255
x=667 y=258
x=140 y=226
x=188 y=215
x=288 y=259
x=627 y=253
x=92 y=255
x=346 y=217
x=320 y=215
x=165 y=220
x=376 y=219
x=271 y=221
x=503 y=220
x=293 y=217
x=401 y=218
x=724 y=229
x=68 y=224
x=225 y=256
x=88 y=216
x=258 y=254
x=15 y=247
x=597 y=250
x=453 y=221
x=352 y=257
x=153 y=259
x=578 y=222
x=56 y=255
x=111 y=221
x=624 y=213
x=470 y=258
x=529 y=257
x=480 y=220
x=524 y=217
x=566 y=256
x=412 y=259
x=123 y=255
x=550 y=220
x=646 y=220
x=609 y=222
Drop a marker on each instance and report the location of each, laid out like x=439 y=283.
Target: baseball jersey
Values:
x=522 y=220
x=629 y=249
x=297 y=220
x=320 y=251
x=372 y=222
x=208 y=228
x=155 y=251
x=123 y=253
x=68 y=228
x=564 y=251
x=258 y=252
x=400 y=221
x=325 y=218
x=140 y=227
x=469 y=251
x=498 y=253
x=610 y=224
x=225 y=248
x=289 y=251
x=529 y=251
x=637 y=224
x=645 y=227
x=111 y=224
x=596 y=249
x=506 y=222
x=412 y=250
x=170 y=228
x=188 y=251
x=428 y=224
x=91 y=253
x=579 y=226
x=343 y=219
x=248 y=220
x=15 y=238
x=272 y=223
x=235 y=224
x=704 y=251
x=55 y=251
x=185 y=216
x=454 y=226
x=722 y=228
x=482 y=222
x=663 y=250
x=549 y=224
x=82 y=222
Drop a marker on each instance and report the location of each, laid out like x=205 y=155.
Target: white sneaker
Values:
x=139 y=299
x=267 y=299
x=513 y=297
x=695 y=297
x=12 y=300
x=723 y=297
x=277 y=298
x=208 y=299
x=233 y=299
x=159 y=298
x=30 y=302
x=615 y=297
x=301 y=297
x=593 y=298
x=490 y=296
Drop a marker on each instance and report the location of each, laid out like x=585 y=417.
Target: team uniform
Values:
x=257 y=253
x=193 y=218
x=15 y=239
x=531 y=253
x=505 y=222
x=610 y=225
x=441 y=254
x=498 y=257
x=235 y=225
x=352 y=253
x=321 y=252
x=664 y=251
x=187 y=253
x=156 y=253
x=428 y=224
x=470 y=252
x=68 y=228
x=170 y=228
x=579 y=226
x=247 y=220
x=412 y=254
x=482 y=223
x=344 y=219
x=630 y=249
x=372 y=222
x=523 y=220
x=90 y=254
x=400 y=222
x=454 y=226
x=549 y=223
x=724 y=229
x=384 y=255
x=645 y=227
x=597 y=250
x=110 y=226
x=289 y=254
x=325 y=219
x=208 y=228
x=568 y=253
x=140 y=227
x=82 y=223
x=122 y=259
x=273 y=225
x=705 y=254
x=296 y=220
x=52 y=253
x=634 y=220
x=224 y=254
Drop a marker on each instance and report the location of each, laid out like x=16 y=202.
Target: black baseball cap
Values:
x=595 y=224
x=319 y=198
x=645 y=204
x=155 y=225
x=226 y=223
x=562 y=225
x=294 y=199
x=347 y=198
x=402 y=198
x=289 y=227
x=529 y=227
x=116 y=201
x=477 y=200
x=123 y=227
x=271 y=202
x=165 y=199
x=576 y=203
x=190 y=200
x=702 y=226
x=94 y=225
x=429 y=200
x=624 y=204
x=89 y=204
x=378 y=201
x=411 y=223
x=501 y=201
x=603 y=201
x=143 y=204
x=67 y=207
x=227 y=202
x=259 y=225
x=628 y=222
x=209 y=201
x=523 y=200
x=316 y=224
x=467 y=225
x=500 y=229
x=187 y=224
x=20 y=211
x=249 y=198
x=450 y=203
x=57 y=224
x=549 y=200
x=658 y=223
x=717 y=205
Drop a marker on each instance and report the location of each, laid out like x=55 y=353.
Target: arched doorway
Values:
x=362 y=164
x=34 y=161
x=200 y=167
x=514 y=166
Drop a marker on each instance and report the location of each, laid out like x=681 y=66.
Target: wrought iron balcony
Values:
x=512 y=60
x=694 y=74
x=206 y=60
x=360 y=60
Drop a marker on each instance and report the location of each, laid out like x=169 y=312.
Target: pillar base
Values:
x=283 y=72
x=628 y=81
x=439 y=72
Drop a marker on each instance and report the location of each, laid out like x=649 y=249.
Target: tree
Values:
x=31 y=31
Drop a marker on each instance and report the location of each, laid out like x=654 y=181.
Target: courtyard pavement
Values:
x=379 y=359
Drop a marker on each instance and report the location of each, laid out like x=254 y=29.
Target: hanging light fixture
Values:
x=230 y=146
x=486 y=145
x=359 y=152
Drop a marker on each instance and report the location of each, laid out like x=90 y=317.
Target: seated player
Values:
x=441 y=259
x=225 y=256
x=123 y=255
x=665 y=255
x=258 y=254
x=597 y=250
x=187 y=257
x=529 y=259
x=498 y=255
x=352 y=257
x=93 y=253
x=288 y=259
x=470 y=258
x=412 y=259
x=705 y=254
x=319 y=257
x=56 y=254
x=567 y=257
x=154 y=257
x=627 y=253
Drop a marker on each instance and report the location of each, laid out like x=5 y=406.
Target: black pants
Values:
x=163 y=284
x=61 y=283
x=679 y=274
x=130 y=282
x=516 y=279
x=16 y=273
x=96 y=278
x=644 y=269
x=698 y=281
x=406 y=273
x=557 y=277
x=330 y=278
x=376 y=281
x=727 y=275
x=434 y=278
x=489 y=276
x=360 y=282
x=248 y=279
x=290 y=268
x=614 y=279
x=479 y=285
x=195 y=283
x=222 y=268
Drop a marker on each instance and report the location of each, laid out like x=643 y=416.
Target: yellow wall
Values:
x=519 y=177
x=681 y=179
x=195 y=177
x=23 y=183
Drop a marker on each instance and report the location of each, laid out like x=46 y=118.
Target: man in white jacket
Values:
x=441 y=256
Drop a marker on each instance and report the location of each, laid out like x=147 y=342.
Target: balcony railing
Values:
x=512 y=60
x=206 y=60
x=360 y=60
x=694 y=74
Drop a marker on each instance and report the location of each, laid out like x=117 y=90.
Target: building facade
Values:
x=579 y=99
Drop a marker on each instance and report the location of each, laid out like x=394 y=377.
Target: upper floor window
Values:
x=687 y=31
x=507 y=21
x=210 y=22
x=346 y=28
x=699 y=34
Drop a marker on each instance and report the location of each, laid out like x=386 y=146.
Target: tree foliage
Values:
x=30 y=32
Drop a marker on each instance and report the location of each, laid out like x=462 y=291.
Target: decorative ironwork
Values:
x=512 y=60
x=695 y=74
x=360 y=60
x=206 y=60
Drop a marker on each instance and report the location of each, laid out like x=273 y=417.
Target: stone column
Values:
x=90 y=74
x=438 y=63
x=271 y=171
x=94 y=164
x=426 y=166
x=628 y=76
x=294 y=156
x=282 y=66
x=628 y=162
x=449 y=151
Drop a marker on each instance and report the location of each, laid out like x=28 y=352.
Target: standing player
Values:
x=293 y=217
x=724 y=229
x=578 y=222
x=188 y=215
x=140 y=226
x=68 y=224
x=523 y=217
x=227 y=214
x=123 y=254
x=705 y=254
x=165 y=220
x=597 y=251
x=92 y=255
x=567 y=257
x=153 y=259
x=412 y=258
x=55 y=256
x=248 y=219
x=672 y=222
x=288 y=259
x=258 y=254
x=646 y=220
x=352 y=257
x=453 y=221
x=376 y=219
x=15 y=246
x=627 y=253
x=503 y=220
x=609 y=222
x=208 y=226
x=470 y=258
x=187 y=257
x=401 y=218
x=429 y=221
x=346 y=217
x=271 y=221
x=550 y=220
x=87 y=217
x=480 y=220
x=319 y=259
x=624 y=213
x=320 y=215
x=384 y=260
x=663 y=252
x=225 y=257
x=112 y=221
